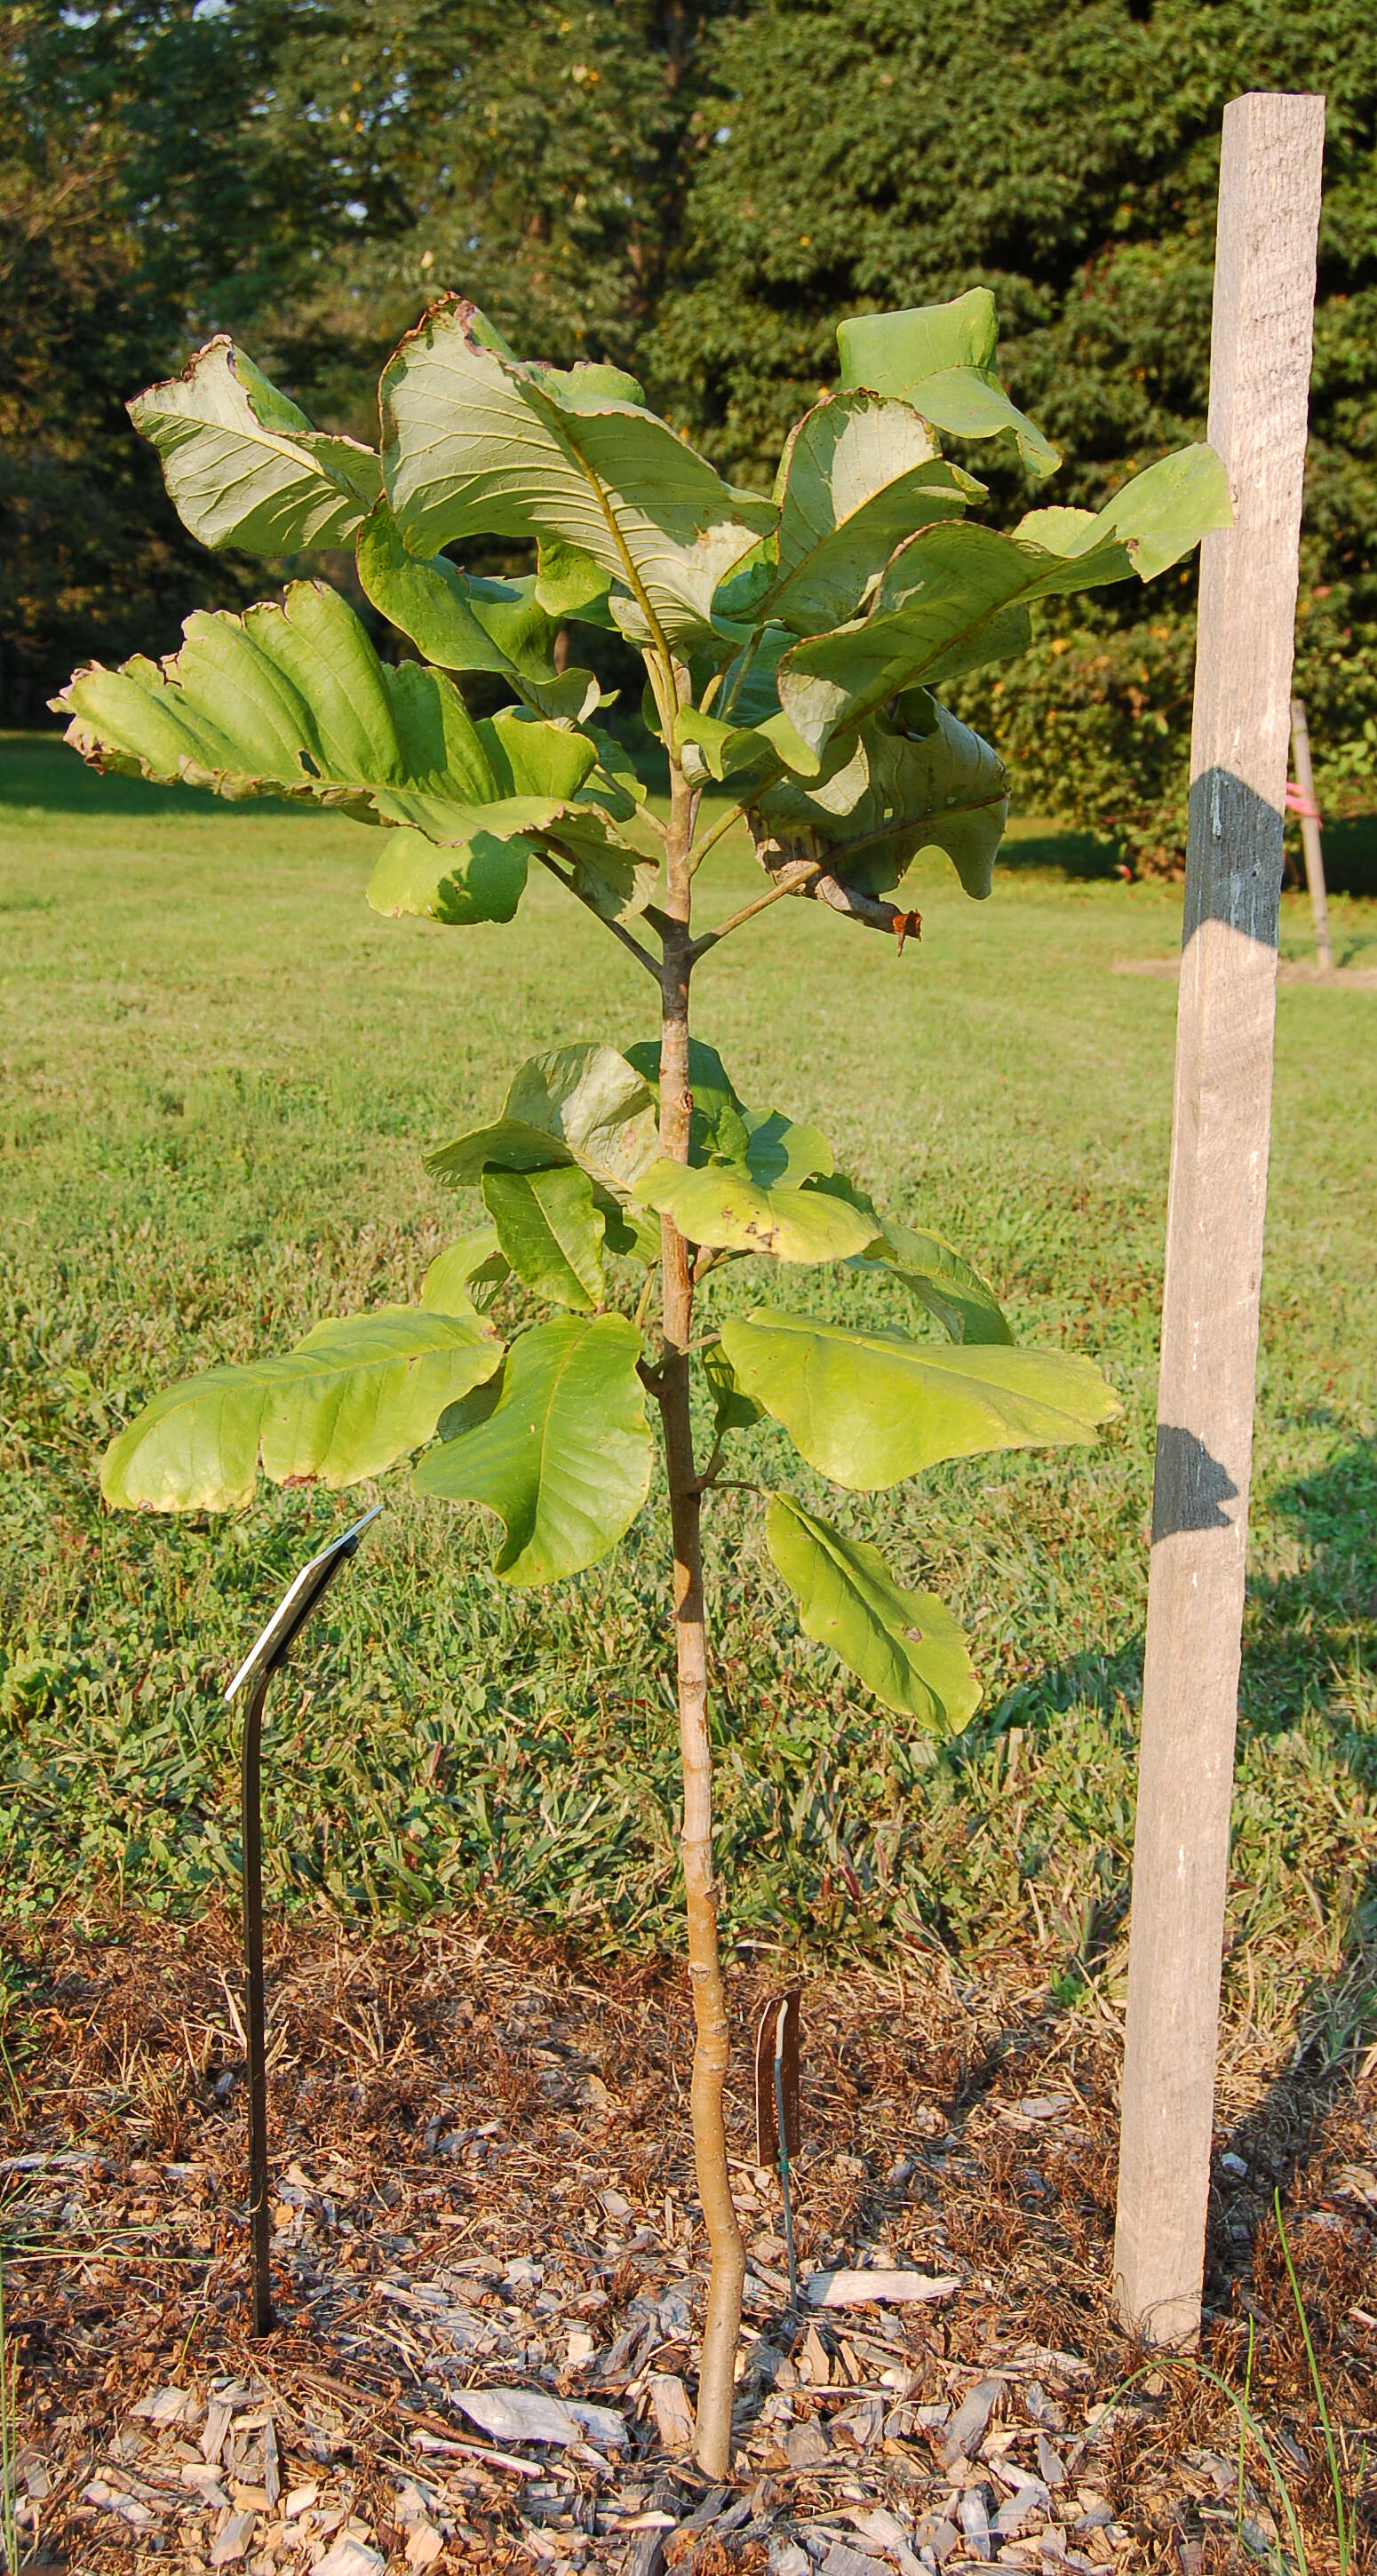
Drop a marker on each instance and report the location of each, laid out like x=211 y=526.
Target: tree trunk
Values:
x=712 y=2038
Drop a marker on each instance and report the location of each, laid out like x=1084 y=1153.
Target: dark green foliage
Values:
x=697 y=192
x=131 y=198
x=534 y=158
x=1067 y=156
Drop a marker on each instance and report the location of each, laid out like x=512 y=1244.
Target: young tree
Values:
x=792 y=646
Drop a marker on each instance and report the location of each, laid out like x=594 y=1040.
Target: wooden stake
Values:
x=1310 y=836
x=1269 y=196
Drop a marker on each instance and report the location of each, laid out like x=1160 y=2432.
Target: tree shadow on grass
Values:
x=40 y=774
x=1311 y=1638
x=1308 y=1644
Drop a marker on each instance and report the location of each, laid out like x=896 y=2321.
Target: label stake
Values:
x=268 y=1650
x=777 y=2105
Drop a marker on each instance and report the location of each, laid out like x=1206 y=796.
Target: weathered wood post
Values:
x=1269 y=197
x=1310 y=836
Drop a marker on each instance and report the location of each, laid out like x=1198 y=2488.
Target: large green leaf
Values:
x=905 y=1646
x=858 y=475
x=963 y=1303
x=346 y=1403
x=243 y=467
x=579 y=1104
x=956 y=597
x=722 y=1205
x=940 y=358
x=551 y=1231
x=291 y=700
x=868 y=1408
x=595 y=1103
x=477 y=444
x=482 y=880
x=564 y=1457
x=918 y=779
x=453 y=619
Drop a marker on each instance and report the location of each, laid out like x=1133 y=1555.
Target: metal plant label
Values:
x=776 y=2078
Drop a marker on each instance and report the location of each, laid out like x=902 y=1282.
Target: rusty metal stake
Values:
x=777 y=2125
x=269 y=1650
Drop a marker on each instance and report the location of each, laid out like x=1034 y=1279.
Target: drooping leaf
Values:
x=732 y=1411
x=940 y=358
x=578 y=1104
x=956 y=597
x=551 y=1231
x=350 y=1400
x=564 y=1457
x=482 y=880
x=858 y=475
x=905 y=1646
x=595 y=1102
x=868 y=1408
x=243 y=466
x=721 y=1205
x=508 y=1145
x=917 y=779
x=291 y=700
x=964 y=1305
x=462 y=623
x=477 y=444
x=465 y=1277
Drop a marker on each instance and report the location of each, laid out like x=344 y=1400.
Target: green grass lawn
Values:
x=220 y=1072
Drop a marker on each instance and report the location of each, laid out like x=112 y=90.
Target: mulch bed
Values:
x=483 y=2180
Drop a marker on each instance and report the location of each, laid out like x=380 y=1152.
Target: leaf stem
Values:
x=743 y=669
x=709 y=1474
x=720 y=831
x=617 y=929
x=788 y=881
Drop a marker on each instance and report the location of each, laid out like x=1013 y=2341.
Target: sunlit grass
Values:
x=220 y=1074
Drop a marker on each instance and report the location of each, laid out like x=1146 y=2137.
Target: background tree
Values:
x=309 y=171
x=133 y=198
x=536 y=160
x=1067 y=156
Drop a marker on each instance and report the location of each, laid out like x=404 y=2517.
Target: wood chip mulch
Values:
x=484 y=2203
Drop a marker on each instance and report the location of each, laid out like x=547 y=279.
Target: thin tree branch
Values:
x=709 y=1474
x=737 y=814
x=789 y=881
x=616 y=928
